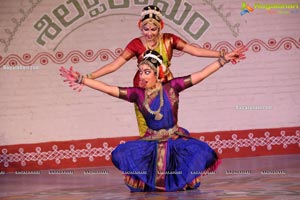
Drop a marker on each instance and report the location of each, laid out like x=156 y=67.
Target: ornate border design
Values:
x=56 y=154
x=253 y=142
x=76 y=56
x=90 y=153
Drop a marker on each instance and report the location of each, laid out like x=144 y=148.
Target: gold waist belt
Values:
x=162 y=133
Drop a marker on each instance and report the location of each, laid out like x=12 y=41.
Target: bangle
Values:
x=90 y=76
x=222 y=56
x=224 y=59
x=80 y=79
x=219 y=61
x=222 y=53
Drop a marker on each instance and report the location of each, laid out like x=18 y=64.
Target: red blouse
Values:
x=136 y=47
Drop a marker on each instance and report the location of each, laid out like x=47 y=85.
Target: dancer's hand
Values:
x=71 y=77
x=236 y=55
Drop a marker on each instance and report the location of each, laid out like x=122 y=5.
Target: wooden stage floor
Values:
x=266 y=177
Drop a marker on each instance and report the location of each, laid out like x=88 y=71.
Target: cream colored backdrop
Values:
x=36 y=106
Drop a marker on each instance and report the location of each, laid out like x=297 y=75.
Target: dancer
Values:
x=166 y=158
x=151 y=25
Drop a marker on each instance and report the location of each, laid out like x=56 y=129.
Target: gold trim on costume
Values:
x=122 y=93
x=127 y=55
x=188 y=81
x=161 y=166
x=192 y=184
x=133 y=182
x=162 y=134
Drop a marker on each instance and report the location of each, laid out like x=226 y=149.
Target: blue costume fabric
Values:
x=166 y=158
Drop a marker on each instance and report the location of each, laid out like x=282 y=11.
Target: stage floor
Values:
x=267 y=177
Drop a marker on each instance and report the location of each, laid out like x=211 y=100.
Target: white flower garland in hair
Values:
x=147 y=12
x=164 y=68
x=153 y=56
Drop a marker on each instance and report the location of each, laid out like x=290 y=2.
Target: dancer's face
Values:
x=147 y=76
x=150 y=31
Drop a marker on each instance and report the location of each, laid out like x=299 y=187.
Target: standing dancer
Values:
x=151 y=25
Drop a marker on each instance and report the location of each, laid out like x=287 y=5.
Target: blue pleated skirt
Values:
x=172 y=165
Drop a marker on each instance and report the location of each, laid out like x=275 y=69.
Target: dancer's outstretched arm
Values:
x=236 y=55
x=103 y=87
x=74 y=78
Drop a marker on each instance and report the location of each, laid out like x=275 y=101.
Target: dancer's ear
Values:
x=162 y=24
x=140 y=24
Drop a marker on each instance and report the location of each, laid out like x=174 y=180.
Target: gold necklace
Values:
x=158 y=115
x=151 y=92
